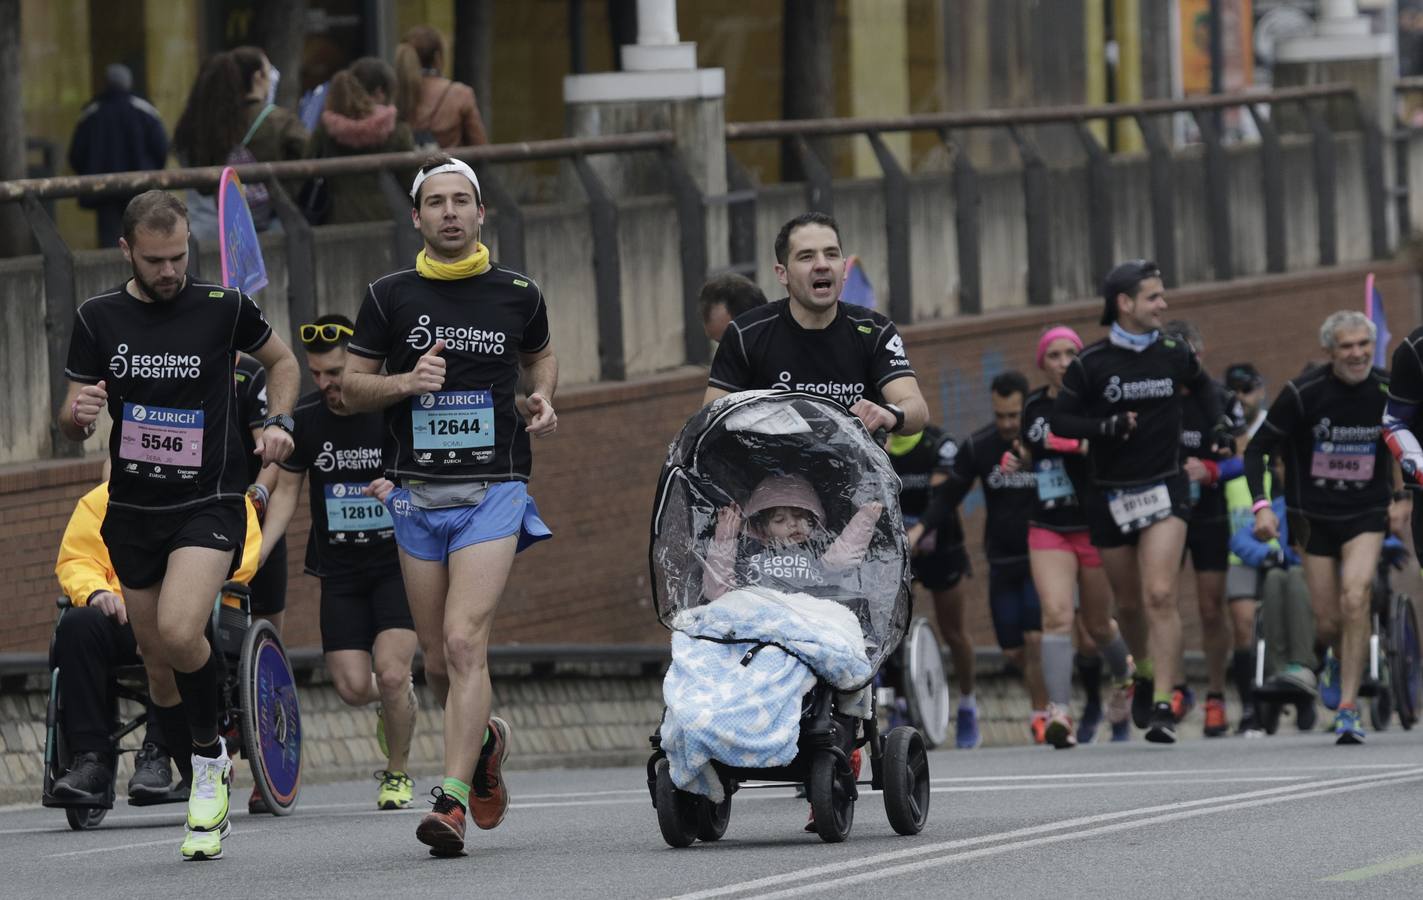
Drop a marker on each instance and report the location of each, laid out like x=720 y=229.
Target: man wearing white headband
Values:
x=455 y=335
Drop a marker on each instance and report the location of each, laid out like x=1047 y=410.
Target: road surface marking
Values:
x=1380 y=868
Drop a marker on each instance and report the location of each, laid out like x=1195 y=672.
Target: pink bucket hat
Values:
x=1057 y=333
x=784 y=490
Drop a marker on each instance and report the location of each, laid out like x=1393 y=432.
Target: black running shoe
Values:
x=88 y=779
x=1141 y=691
x=1162 y=729
x=152 y=774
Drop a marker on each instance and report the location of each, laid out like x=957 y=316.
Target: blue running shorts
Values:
x=433 y=534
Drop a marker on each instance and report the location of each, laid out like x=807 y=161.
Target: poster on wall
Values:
x=242 y=264
x=1238 y=68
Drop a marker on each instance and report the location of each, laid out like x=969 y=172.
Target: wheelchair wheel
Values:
x=57 y=759
x=271 y=718
x=1381 y=706
x=1404 y=665
x=906 y=781
x=925 y=686
x=1269 y=713
x=831 y=802
x=677 y=814
x=712 y=818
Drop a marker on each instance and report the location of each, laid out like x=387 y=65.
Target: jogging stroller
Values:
x=775 y=652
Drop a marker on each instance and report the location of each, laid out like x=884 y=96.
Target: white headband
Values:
x=454 y=165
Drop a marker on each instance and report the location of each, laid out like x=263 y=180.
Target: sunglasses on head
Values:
x=329 y=333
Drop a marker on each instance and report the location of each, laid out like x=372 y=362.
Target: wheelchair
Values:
x=259 y=713
x=912 y=687
x=1393 y=678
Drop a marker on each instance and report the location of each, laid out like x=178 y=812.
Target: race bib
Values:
x=351 y=516
x=1135 y=509
x=1054 y=487
x=1343 y=462
x=162 y=437
x=452 y=427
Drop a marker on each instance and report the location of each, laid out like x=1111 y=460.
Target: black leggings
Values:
x=88 y=647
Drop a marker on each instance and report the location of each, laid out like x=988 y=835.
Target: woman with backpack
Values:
x=230 y=119
x=440 y=112
x=359 y=118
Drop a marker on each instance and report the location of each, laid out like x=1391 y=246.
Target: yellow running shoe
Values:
x=207 y=806
x=396 y=790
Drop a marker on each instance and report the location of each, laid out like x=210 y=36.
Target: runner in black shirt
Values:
x=159 y=353
x=455 y=334
x=812 y=341
x=992 y=456
x=365 y=618
x=1402 y=425
x=1066 y=567
x=1326 y=426
x=1208 y=539
x=938 y=558
x=1123 y=395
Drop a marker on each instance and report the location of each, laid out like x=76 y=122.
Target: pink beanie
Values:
x=1056 y=333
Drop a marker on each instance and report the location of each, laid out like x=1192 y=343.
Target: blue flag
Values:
x=1373 y=308
x=857 y=289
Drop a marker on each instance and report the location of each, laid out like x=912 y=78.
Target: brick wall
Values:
x=594 y=481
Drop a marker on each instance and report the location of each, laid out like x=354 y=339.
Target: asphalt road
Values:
x=1291 y=815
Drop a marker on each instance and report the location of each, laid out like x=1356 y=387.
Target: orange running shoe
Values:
x=1037 y=725
x=488 y=797
x=1216 y=722
x=1183 y=700
x=442 y=829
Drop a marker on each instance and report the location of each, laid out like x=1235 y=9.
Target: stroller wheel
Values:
x=676 y=810
x=906 y=781
x=712 y=818
x=832 y=803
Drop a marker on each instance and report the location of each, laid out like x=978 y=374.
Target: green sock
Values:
x=1161 y=697
x=1144 y=670
x=457 y=789
x=487 y=736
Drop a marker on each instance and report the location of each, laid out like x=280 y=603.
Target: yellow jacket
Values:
x=84 y=567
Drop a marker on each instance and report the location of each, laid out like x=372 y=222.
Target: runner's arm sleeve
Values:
x=83 y=567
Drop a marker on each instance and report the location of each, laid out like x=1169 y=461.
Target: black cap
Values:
x=1125 y=279
x=1243 y=377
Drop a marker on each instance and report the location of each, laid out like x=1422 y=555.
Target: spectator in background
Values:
x=723 y=298
x=439 y=111
x=359 y=118
x=230 y=119
x=116 y=132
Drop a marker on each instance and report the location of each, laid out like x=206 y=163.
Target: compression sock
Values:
x=968 y=701
x=456 y=790
x=177 y=737
x=1116 y=653
x=1057 y=668
x=199 y=691
x=1089 y=671
x=1242 y=669
x=1144 y=670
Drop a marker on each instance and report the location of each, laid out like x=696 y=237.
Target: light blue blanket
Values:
x=749 y=715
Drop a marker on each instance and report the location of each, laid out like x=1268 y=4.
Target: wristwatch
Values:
x=898 y=416
x=282 y=421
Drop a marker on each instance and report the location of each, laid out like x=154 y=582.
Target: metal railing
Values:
x=508 y=222
x=966 y=183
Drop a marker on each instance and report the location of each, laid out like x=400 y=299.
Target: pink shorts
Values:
x=1078 y=542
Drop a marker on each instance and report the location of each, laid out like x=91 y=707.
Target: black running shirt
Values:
x=251 y=383
x=470 y=430
x=1009 y=496
x=176 y=439
x=1106 y=380
x=1060 y=478
x=351 y=534
x=854 y=356
x=934 y=452
x=1328 y=433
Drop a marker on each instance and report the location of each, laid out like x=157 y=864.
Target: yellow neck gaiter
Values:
x=900 y=444
x=477 y=264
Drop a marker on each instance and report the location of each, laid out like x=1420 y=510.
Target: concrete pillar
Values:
x=879 y=74
x=660 y=88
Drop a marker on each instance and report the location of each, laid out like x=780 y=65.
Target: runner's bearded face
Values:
x=1058 y=356
x=159 y=261
x=449 y=216
x=1008 y=415
x=326 y=371
x=1353 y=354
x=814 y=271
x=1143 y=312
